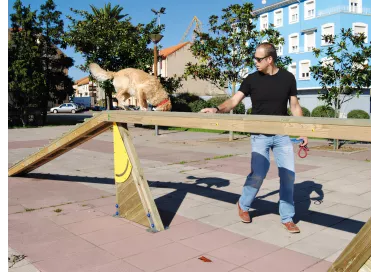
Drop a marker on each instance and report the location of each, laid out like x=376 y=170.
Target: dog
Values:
x=137 y=83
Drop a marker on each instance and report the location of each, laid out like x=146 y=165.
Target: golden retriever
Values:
x=134 y=82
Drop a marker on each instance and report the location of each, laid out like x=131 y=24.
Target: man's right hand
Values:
x=209 y=110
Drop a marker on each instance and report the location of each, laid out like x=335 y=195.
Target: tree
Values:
x=226 y=53
x=58 y=84
x=25 y=72
x=110 y=39
x=344 y=71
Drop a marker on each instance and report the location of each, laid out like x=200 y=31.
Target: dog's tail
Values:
x=99 y=73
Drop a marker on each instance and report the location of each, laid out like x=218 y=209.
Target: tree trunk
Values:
x=109 y=99
x=232 y=112
x=336 y=113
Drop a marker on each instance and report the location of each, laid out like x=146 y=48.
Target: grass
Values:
x=29 y=210
x=57 y=210
x=206 y=159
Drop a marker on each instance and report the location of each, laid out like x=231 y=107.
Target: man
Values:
x=270 y=89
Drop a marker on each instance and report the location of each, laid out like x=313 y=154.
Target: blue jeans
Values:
x=283 y=152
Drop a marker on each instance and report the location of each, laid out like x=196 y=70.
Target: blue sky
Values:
x=177 y=18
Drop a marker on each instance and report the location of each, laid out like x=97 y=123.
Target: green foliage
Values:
x=323 y=111
x=171 y=84
x=35 y=70
x=227 y=50
x=358 y=114
x=305 y=112
x=181 y=102
x=198 y=105
x=217 y=100
x=347 y=72
x=249 y=111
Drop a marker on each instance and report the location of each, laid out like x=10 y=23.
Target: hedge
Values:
x=358 y=114
x=323 y=111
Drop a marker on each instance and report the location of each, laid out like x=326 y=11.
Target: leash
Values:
x=303 y=149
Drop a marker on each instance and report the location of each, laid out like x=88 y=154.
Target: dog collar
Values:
x=163 y=102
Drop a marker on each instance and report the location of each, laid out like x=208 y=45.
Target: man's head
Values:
x=265 y=56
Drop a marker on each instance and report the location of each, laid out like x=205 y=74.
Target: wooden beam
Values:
x=63 y=144
x=330 y=128
x=356 y=254
x=133 y=194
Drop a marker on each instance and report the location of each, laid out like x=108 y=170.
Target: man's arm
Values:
x=295 y=106
x=296 y=110
x=227 y=105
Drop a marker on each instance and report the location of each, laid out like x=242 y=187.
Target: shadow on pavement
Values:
x=169 y=204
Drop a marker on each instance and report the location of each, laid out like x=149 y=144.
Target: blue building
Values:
x=302 y=24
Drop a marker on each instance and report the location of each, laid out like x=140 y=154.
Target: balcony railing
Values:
x=343 y=9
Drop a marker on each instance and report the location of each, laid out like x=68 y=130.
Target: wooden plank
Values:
x=355 y=255
x=331 y=128
x=367 y=266
x=65 y=143
x=135 y=198
x=127 y=196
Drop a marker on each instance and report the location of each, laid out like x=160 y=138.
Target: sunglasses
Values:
x=260 y=59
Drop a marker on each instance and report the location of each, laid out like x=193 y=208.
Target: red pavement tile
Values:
x=115 y=266
x=100 y=202
x=162 y=257
x=75 y=261
x=185 y=230
x=195 y=264
x=135 y=244
x=15 y=209
x=244 y=251
x=240 y=269
x=53 y=249
x=282 y=260
x=32 y=227
x=64 y=218
x=112 y=234
x=24 y=240
x=175 y=219
x=109 y=209
x=212 y=240
x=322 y=266
x=27 y=144
x=94 y=224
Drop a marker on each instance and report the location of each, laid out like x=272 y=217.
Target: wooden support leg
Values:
x=133 y=194
x=356 y=254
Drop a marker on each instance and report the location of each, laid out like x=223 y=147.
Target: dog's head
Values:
x=167 y=106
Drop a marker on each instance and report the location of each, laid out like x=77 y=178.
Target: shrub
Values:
x=358 y=114
x=323 y=111
x=216 y=101
x=305 y=112
x=197 y=105
x=181 y=102
x=249 y=111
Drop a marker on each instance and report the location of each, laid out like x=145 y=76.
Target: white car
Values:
x=67 y=107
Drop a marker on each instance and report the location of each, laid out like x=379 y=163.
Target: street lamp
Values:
x=156 y=38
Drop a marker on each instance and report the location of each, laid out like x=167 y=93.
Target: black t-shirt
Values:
x=269 y=93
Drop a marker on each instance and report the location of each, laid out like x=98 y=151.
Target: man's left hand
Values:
x=305 y=141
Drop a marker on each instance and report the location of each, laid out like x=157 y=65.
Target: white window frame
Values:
x=365 y=32
x=262 y=27
x=360 y=6
x=300 y=70
x=290 y=68
x=290 y=14
x=276 y=16
x=327 y=60
x=323 y=43
x=290 y=43
x=306 y=16
x=280 y=50
x=306 y=45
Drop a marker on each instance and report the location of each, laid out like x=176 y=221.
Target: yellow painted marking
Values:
x=122 y=164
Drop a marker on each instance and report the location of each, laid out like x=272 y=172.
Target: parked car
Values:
x=67 y=107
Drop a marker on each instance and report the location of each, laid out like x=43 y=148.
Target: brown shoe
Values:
x=243 y=215
x=291 y=227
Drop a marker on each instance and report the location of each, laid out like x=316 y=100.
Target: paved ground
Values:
x=60 y=215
